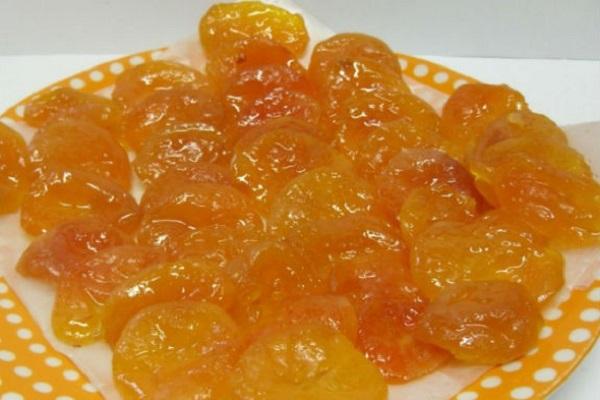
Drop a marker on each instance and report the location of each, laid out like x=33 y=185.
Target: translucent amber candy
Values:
x=471 y=108
x=306 y=363
x=83 y=288
x=57 y=196
x=496 y=246
x=187 y=279
x=139 y=82
x=322 y=193
x=225 y=24
x=359 y=116
x=66 y=246
x=14 y=169
x=181 y=108
x=165 y=338
x=261 y=81
x=66 y=103
x=488 y=322
x=563 y=206
x=269 y=156
x=179 y=150
x=80 y=145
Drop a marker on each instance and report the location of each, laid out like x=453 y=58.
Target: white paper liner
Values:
x=95 y=360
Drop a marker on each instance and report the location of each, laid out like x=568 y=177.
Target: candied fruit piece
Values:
x=562 y=206
x=178 y=151
x=261 y=81
x=138 y=82
x=161 y=233
x=496 y=246
x=471 y=108
x=184 y=108
x=418 y=168
x=359 y=116
x=267 y=158
x=66 y=103
x=181 y=280
x=14 y=169
x=268 y=274
x=164 y=338
x=80 y=145
x=77 y=317
x=424 y=207
x=387 y=319
x=306 y=363
x=61 y=195
x=66 y=246
x=381 y=145
x=322 y=193
x=225 y=24
x=487 y=322
x=201 y=204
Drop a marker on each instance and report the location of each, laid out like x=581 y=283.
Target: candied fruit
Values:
x=226 y=24
x=273 y=154
x=77 y=317
x=496 y=246
x=80 y=145
x=486 y=322
x=181 y=280
x=184 y=108
x=471 y=108
x=306 y=363
x=322 y=193
x=137 y=83
x=66 y=103
x=14 y=169
x=61 y=195
x=66 y=246
x=178 y=150
x=166 y=337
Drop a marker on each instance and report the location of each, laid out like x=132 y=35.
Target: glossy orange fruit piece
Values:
x=381 y=145
x=496 y=246
x=322 y=193
x=61 y=195
x=183 y=108
x=268 y=274
x=562 y=206
x=265 y=159
x=387 y=319
x=178 y=151
x=67 y=103
x=80 y=145
x=139 y=82
x=172 y=281
x=14 y=169
x=488 y=322
x=225 y=24
x=77 y=317
x=359 y=116
x=306 y=363
x=471 y=108
x=166 y=337
x=67 y=246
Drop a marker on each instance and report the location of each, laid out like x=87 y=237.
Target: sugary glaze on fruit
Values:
x=304 y=233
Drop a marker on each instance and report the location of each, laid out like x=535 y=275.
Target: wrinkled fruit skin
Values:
x=489 y=322
x=493 y=247
x=306 y=363
x=14 y=169
x=166 y=337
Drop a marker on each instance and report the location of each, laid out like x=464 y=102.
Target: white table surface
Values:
x=568 y=91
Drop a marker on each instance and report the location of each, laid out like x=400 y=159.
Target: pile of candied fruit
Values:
x=304 y=233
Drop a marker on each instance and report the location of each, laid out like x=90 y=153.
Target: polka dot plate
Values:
x=31 y=369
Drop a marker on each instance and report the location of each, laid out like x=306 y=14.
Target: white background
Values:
x=568 y=91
